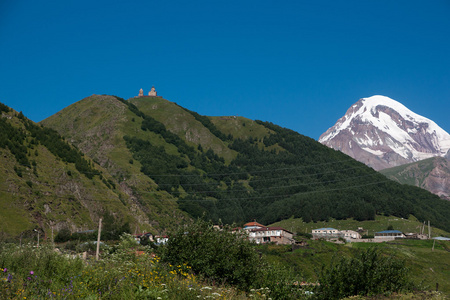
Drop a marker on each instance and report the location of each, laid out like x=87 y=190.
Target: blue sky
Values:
x=298 y=64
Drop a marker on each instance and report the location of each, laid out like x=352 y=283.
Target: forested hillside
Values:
x=235 y=169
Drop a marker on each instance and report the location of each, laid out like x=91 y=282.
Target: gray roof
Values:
x=389 y=231
x=327 y=228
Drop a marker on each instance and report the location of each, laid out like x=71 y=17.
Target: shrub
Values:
x=63 y=235
x=217 y=255
x=369 y=273
x=304 y=234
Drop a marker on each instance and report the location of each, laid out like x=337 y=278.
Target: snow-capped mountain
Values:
x=383 y=133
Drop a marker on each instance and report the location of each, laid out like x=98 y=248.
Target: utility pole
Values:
x=429 y=230
x=53 y=240
x=98 y=238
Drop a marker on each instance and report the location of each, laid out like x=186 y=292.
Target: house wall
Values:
x=271 y=236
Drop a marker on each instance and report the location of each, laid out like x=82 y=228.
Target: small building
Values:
x=362 y=231
x=161 y=240
x=261 y=234
x=389 y=234
x=277 y=235
x=416 y=236
x=326 y=233
x=144 y=235
x=350 y=234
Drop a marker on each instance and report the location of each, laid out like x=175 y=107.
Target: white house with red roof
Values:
x=261 y=234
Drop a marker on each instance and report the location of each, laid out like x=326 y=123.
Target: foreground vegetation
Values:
x=200 y=261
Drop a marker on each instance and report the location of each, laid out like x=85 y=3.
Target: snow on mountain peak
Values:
x=380 y=125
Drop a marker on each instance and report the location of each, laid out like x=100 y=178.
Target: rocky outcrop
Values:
x=432 y=174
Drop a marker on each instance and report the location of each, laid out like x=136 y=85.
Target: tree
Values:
x=369 y=273
x=217 y=255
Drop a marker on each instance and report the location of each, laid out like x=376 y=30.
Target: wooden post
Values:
x=432 y=249
x=429 y=230
x=98 y=237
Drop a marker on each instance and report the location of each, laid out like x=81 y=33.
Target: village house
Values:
x=261 y=234
x=333 y=233
x=161 y=239
x=416 y=236
x=326 y=233
x=389 y=234
x=139 y=236
x=350 y=234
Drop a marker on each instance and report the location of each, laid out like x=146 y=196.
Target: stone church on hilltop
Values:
x=152 y=92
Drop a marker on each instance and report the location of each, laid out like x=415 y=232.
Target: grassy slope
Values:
x=240 y=127
x=243 y=128
x=51 y=196
x=413 y=173
x=181 y=122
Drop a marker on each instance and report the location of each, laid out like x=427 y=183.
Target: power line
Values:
x=231 y=173
x=262 y=180
x=276 y=187
x=273 y=179
x=236 y=198
x=247 y=172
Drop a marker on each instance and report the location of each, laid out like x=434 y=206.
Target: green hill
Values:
x=45 y=184
x=232 y=169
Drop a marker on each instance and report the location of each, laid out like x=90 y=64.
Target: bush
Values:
x=63 y=235
x=369 y=273
x=304 y=234
x=217 y=255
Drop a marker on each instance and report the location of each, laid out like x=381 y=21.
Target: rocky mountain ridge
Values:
x=432 y=174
